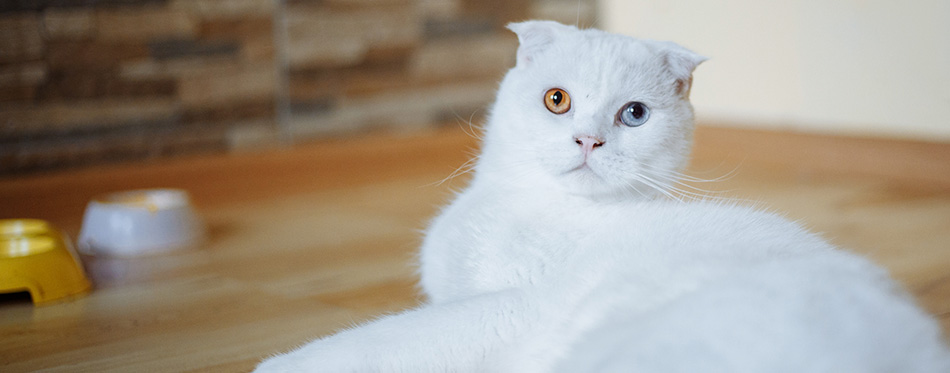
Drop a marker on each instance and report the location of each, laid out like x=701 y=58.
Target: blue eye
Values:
x=634 y=114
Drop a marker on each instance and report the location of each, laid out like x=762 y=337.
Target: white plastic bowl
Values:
x=140 y=222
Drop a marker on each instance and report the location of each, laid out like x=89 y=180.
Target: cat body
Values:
x=692 y=287
x=561 y=255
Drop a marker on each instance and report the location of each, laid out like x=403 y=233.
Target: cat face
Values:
x=591 y=113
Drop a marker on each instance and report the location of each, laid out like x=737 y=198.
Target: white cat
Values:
x=563 y=256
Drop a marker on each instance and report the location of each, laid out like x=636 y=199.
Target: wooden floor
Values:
x=308 y=240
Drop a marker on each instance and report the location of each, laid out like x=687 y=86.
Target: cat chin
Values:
x=611 y=195
x=586 y=183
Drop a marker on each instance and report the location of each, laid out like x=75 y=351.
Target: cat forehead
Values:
x=593 y=54
x=605 y=46
x=601 y=62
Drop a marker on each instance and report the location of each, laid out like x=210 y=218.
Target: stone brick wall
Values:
x=93 y=81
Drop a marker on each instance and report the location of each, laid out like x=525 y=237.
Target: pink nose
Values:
x=588 y=143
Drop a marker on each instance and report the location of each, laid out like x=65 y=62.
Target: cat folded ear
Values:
x=680 y=62
x=534 y=36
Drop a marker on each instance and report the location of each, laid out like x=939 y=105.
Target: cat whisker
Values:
x=635 y=189
x=692 y=178
x=673 y=181
x=684 y=180
x=473 y=130
x=699 y=194
x=692 y=196
x=696 y=195
x=465 y=168
x=728 y=175
x=656 y=186
x=719 y=196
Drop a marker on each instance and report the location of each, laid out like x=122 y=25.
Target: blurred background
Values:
x=85 y=81
x=844 y=67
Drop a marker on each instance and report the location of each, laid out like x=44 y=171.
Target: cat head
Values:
x=590 y=113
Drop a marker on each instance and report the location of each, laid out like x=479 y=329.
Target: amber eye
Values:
x=557 y=101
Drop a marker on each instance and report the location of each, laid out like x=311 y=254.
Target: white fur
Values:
x=542 y=265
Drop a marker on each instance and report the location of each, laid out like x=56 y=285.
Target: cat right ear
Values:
x=681 y=62
x=533 y=37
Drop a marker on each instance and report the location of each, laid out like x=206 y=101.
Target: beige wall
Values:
x=867 y=68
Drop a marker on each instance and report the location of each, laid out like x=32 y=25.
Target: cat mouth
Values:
x=584 y=169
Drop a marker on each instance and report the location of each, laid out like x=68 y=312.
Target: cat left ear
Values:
x=533 y=37
x=681 y=62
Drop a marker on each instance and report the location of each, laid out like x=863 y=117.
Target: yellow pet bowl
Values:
x=36 y=258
